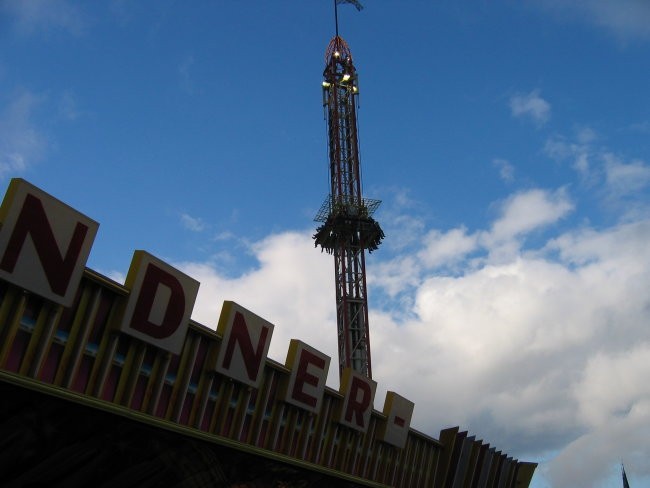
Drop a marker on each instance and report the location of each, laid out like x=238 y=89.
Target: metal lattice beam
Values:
x=348 y=229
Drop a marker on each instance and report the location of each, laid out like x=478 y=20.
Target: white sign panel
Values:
x=44 y=243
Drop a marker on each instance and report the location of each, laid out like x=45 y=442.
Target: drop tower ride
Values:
x=347 y=229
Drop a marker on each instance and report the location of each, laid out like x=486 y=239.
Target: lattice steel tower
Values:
x=348 y=228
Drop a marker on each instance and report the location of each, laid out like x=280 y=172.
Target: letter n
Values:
x=44 y=243
x=245 y=343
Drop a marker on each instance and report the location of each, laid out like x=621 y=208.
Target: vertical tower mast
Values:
x=348 y=228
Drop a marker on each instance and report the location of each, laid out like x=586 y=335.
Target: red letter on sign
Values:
x=398 y=411
x=359 y=393
x=160 y=303
x=33 y=221
x=304 y=377
x=153 y=279
x=306 y=384
x=44 y=243
x=252 y=337
x=358 y=406
x=240 y=335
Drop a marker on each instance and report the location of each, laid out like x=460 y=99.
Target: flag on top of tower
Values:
x=625 y=483
x=353 y=2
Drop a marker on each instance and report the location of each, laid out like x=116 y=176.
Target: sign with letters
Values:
x=44 y=243
x=398 y=411
x=309 y=369
x=160 y=302
x=245 y=343
x=359 y=393
x=44 y=246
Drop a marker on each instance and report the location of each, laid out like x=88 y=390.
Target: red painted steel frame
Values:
x=340 y=96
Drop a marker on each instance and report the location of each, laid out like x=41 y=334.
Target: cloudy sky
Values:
x=508 y=140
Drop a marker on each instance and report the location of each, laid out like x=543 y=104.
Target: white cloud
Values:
x=395 y=276
x=624 y=434
x=642 y=127
x=547 y=351
x=68 y=106
x=579 y=151
x=526 y=211
x=531 y=105
x=618 y=180
x=21 y=143
x=195 y=224
x=517 y=349
x=620 y=185
x=225 y=235
x=557 y=148
x=399 y=220
x=446 y=248
x=403 y=229
x=624 y=178
x=627 y=19
x=606 y=372
x=506 y=170
x=586 y=135
x=44 y=15
x=286 y=289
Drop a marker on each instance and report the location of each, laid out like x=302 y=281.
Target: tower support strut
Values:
x=347 y=229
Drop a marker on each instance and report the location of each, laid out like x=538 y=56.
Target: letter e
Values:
x=309 y=369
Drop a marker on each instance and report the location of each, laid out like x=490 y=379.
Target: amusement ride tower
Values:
x=347 y=229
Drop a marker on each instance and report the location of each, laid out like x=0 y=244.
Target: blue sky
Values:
x=509 y=142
